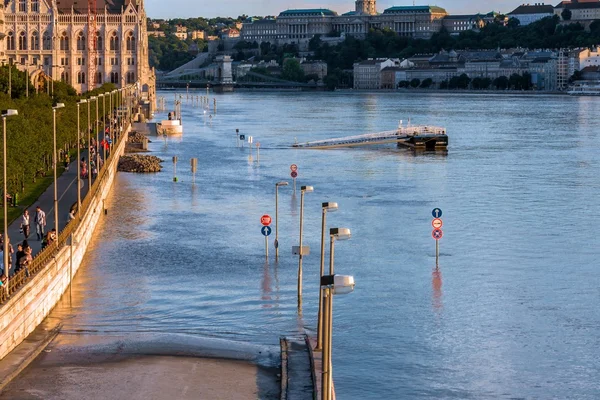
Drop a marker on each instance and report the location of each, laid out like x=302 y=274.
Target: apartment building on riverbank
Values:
x=63 y=40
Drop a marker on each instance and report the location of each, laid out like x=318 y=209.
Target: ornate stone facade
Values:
x=52 y=38
x=299 y=26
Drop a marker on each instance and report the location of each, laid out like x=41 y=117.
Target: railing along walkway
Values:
x=42 y=258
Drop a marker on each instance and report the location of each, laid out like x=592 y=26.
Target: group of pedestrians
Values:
x=24 y=253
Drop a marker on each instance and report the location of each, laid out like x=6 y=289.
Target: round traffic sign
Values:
x=265 y=230
x=437 y=223
x=294 y=174
x=437 y=234
x=265 y=220
x=257 y=144
x=437 y=213
x=294 y=167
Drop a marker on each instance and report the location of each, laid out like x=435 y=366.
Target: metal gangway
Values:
x=405 y=134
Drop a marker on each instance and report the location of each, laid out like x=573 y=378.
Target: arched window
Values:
x=35 y=41
x=80 y=41
x=131 y=77
x=22 y=41
x=22 y=5
x=47 y=41
x=81 y=77
x=130 y=42
x=64 y=76
x=35 y=5
x=114 y=78
x=114 y=42
x=99 y=42
x=10 y=41
x=99 y=78
x=64 y=41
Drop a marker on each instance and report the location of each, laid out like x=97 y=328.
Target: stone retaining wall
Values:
x=28 y=307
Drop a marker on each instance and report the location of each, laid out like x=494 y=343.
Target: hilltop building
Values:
x=581 y=10
x=299 y=26
x=530 y=13
x=61 y=40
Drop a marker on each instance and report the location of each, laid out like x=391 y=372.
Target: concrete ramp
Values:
x=297 y=381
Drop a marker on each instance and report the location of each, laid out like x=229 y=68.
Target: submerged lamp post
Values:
x=5 y=114
x=331 y=285
x=301 y=251
x=282 y=183
x=329 y=206
x=55 y=107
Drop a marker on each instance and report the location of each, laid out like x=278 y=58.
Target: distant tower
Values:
x=367 y=7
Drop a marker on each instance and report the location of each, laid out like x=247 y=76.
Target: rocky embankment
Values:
x=139 y=163
x=136 y=137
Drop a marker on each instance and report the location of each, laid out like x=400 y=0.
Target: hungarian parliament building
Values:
x=299 y=26
x=81 y=43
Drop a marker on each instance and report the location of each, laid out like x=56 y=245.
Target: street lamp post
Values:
x=330 y=206
x=54 y=108
x=99 y=124
x=5 y=114
x=282 y=183
x=331 y=285
x=97 y=133
x=89 y=101
x=301 y=252
x=83 y=101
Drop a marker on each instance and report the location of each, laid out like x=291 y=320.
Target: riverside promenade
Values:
x=67 y=196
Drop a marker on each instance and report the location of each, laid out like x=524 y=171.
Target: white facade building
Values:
x=367 y=74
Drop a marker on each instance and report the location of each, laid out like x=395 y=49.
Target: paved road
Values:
x=67 y=196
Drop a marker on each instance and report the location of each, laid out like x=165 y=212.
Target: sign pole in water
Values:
x=437 y=232
x=294 y=174
x=237 y=138
x=257 y=152
x=266 y=231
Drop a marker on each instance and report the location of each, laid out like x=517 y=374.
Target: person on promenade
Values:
x=10 y=250
x=24 y=261
x=20 y=253
x=40 y=222
x=3 y=279
x=25 y=224
x=94 y=170
x=67 y=161
x=83 y=167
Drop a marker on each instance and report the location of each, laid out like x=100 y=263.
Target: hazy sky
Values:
x=233 y=8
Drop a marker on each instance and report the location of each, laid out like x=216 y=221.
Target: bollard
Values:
x=194 y=165
x=174 y=168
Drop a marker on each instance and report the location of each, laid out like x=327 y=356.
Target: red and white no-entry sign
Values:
x=437 y=223
x=265 y=220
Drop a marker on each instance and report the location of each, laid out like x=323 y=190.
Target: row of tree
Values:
x=30 y=134
x=514 y=82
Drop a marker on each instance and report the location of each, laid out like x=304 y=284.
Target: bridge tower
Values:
x=224 y=78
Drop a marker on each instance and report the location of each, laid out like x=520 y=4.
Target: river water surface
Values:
x=512 y=311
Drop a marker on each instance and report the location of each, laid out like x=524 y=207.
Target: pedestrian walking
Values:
x=67 y=161
x=25 y=224
x=40 y=222
x=10 y=251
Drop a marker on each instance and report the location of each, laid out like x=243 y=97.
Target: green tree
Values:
x=403 y=84
x=501 y=83
x=292 y=71
x=566 y=14
x=426 y=83
x=414 y=83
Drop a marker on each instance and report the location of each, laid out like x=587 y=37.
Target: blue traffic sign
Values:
x=437 y=213
x=242 y=137
x=265 y=230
